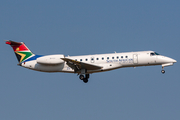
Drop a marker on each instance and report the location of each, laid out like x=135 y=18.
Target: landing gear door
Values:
x=135 y=58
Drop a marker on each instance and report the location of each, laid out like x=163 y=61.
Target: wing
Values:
x=77 y=65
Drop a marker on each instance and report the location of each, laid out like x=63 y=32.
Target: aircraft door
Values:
x=135 y=58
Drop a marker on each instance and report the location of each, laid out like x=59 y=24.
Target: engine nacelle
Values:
x=50 y=59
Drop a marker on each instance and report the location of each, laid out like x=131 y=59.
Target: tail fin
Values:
x=20 y=49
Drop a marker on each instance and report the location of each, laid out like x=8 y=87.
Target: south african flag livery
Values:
x=21 y=50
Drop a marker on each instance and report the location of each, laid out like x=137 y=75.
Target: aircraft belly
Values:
x=107 y=67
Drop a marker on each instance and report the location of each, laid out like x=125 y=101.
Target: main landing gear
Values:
x=84 y=78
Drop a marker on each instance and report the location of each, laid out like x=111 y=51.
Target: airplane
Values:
x=86 y=64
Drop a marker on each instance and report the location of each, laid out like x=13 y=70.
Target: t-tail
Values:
x=21 y=50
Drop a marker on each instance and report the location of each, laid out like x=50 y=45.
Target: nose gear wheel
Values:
x=163 y=71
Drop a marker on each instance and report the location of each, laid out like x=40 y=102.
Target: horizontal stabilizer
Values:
x=9 y=42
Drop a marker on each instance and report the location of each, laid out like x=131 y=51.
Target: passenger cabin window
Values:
x=121 y=56
x=117 y=57
x=112 y=57
x=86 y=59
x=97 y=58
x=107 y=57
x=102 y=58
x=80 y=59
x=126 y=56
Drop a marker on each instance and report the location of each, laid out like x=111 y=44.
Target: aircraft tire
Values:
x=163 y=71
x=87 y=76
x=81 y=77
x=85 y=80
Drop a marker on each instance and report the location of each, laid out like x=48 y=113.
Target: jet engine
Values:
x=50 y=59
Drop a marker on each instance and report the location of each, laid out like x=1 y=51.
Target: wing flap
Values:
x=83 y=65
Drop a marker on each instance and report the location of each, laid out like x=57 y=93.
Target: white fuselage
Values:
x=107 y=61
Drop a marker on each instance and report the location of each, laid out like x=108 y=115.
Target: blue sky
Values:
x=90 y=27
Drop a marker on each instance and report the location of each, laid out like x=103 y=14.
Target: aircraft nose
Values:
x=170 y=60
x=174 y=61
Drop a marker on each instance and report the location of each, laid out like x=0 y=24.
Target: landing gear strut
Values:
x=85 y=79
x=163 y=71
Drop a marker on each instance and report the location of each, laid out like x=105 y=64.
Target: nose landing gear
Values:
x=85 y=79
x=163 y=71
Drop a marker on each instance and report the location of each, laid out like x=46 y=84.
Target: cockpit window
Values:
x=157 y=53
x=154 y=53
